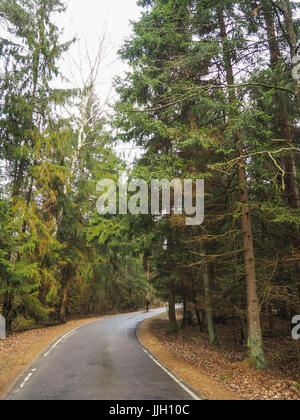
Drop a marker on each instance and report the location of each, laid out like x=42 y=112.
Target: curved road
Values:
x=102 y=360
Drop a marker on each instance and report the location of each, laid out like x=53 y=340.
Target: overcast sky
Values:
x=88 y=20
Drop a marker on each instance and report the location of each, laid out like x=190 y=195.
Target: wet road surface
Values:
x=102 y=360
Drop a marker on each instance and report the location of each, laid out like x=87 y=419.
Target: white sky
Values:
x=88 y=20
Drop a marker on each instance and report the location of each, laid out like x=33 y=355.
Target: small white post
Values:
x=2 y=328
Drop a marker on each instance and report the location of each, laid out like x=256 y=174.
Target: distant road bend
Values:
x=102 y=360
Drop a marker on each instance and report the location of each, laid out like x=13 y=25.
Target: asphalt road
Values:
x=102 y=360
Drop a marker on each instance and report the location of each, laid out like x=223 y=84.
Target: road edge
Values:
x=171 y=373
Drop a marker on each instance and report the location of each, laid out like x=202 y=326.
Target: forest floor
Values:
x=224 y=373
x=19 y=350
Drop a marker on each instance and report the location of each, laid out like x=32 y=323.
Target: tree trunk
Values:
x=213 y=339
x=185 y=313
x=190 y=319
x=64 y=300
x=254 y=333
x=199 y=316
x=244 y=332
x=173 y=327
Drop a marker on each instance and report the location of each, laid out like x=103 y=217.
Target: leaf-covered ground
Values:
x=224 y=373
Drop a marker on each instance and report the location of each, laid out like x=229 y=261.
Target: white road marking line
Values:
x=26 y=380
x=61 y=339
x=48 y=352
x=174 y=378
x=57 y=342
